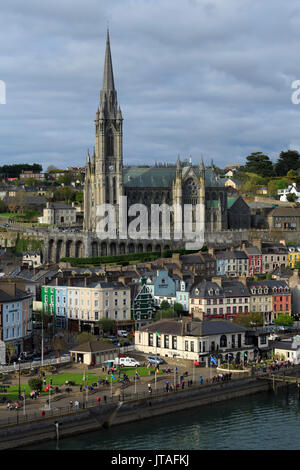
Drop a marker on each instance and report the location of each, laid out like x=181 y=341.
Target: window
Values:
x=150 y=339
x=96 y=303
x=166 y=341
x=96 y=315
x=192 y=346
x=174 y=342
x=186 y=345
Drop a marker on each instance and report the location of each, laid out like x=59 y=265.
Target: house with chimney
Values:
x=195 y=340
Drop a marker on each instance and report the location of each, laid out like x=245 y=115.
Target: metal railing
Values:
x=18 y=416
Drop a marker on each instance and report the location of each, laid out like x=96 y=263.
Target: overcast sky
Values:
x=194 y=77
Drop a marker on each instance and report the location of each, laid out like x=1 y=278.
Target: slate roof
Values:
x=197 y=328
x=228 y=288
x=60 y=205
x=163 y=177
x=94 y=346
x=270 y=284
x=5 y=297
x=286 y=212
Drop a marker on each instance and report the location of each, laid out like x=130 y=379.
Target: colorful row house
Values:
x=219 y=298
x=293 y=255
x=15 y=315
x=81 y=307
x=223 y=298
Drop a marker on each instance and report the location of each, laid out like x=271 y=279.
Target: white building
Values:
x=58 y=213
x=32 y=258
x=291 y=189
x=194 y=340
x=288 y=350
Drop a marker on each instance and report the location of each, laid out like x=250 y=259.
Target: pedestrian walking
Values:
x=81 y=387
x=76 y=404
x=98 y=400
x=201 y=380
x=71 y=404
x=105 y=399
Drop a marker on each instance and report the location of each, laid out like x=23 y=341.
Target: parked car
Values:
x=154 y=360
x=36 y=359
x=126 y=361
x=116 y=343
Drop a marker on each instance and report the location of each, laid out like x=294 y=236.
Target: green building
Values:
x=143 y=306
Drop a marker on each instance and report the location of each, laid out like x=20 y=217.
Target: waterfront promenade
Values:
x=63 y=404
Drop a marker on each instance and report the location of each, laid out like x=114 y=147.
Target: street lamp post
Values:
x=19 y=359
x=42 y=348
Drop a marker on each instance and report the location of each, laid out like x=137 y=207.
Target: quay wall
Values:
x=103 y=416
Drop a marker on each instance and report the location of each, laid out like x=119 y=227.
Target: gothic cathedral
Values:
x=106 y=179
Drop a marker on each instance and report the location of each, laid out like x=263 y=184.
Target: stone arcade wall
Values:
x=60 y=245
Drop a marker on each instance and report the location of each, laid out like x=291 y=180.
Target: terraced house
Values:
x=81 y=306
x=219 y=298
x=261 y=299
x=293 y=255
x=15 y=314
x=232 y=263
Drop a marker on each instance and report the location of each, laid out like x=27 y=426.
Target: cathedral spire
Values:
x=108 y=76
x=108 y=94
x=202 y=163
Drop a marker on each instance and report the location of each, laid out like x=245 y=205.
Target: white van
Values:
x=126 y=361
x=122 y=333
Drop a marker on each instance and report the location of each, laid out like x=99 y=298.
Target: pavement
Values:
x=140 y=385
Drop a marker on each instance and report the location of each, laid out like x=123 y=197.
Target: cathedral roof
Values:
x=163 y=177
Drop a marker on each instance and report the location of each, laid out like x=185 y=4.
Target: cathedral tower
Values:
x=104 y=181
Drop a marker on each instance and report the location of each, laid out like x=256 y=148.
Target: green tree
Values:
x=65 y=179
x=165 y=313
x=107 y=325
x=35 y=384
x=10 y=351
x=252 y=319
x=178 y=308
x=79 y=197
x=65 y=194
x=289 y=160
x=275 y=184
x=164 y=305
x=32 y=182
x=260 y=164
x=284 y=320
x=291 y=174
x=292 y=197
x=84 y=337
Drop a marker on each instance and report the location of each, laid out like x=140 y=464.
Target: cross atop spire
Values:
x=108 y=76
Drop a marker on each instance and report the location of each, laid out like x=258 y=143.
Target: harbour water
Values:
x=259 y=422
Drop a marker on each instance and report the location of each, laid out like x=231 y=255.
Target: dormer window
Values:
x=197 y=291
x=210 y=292
x=217 y=291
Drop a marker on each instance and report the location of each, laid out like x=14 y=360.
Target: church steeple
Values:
x=108 y=75
x=108 y=94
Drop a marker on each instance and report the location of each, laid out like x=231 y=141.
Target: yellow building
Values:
x=293 y=255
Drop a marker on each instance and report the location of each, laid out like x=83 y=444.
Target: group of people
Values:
x=76 y=405
x=279 y=365
x=11 y=407
x=221 y=377
x=35 y=394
